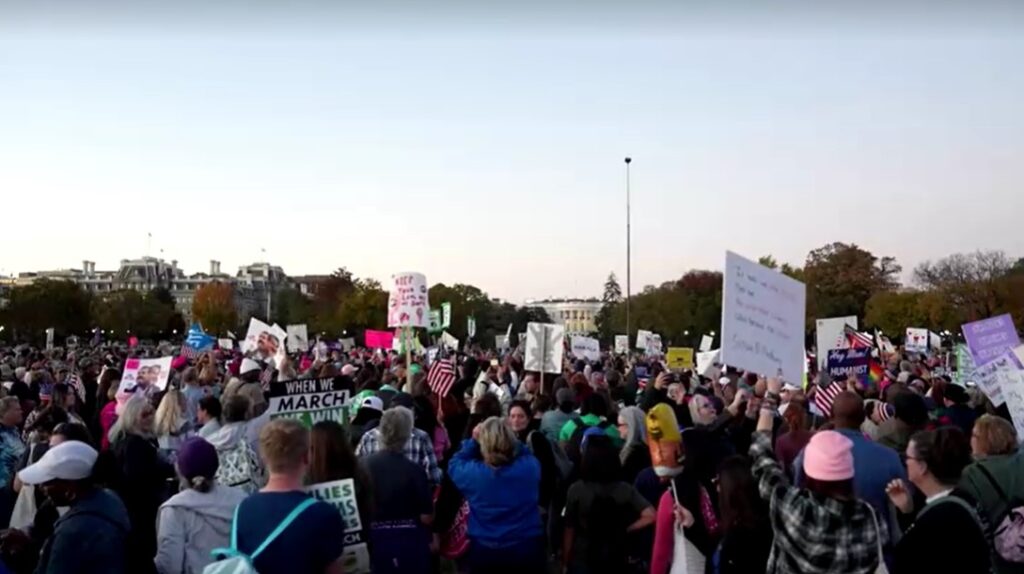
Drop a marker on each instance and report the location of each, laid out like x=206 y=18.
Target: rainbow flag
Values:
x=875 y=373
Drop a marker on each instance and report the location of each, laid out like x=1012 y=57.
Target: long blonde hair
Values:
x=169 y=415
x=128 y=422
x=497 y=443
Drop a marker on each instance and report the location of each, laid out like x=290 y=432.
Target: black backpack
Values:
x=607 y=546
x=573 y=447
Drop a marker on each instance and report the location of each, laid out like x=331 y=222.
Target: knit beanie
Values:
x=829 y=457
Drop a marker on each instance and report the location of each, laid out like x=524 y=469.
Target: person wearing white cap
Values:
x=91 y=536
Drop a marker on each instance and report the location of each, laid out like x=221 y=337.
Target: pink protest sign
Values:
x=407 y=301
x=379 y=339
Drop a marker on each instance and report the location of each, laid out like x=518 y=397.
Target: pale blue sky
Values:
x=486 y=146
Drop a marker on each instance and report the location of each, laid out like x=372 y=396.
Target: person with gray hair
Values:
x=634 y=455
x=403 y=509
x=418 y=448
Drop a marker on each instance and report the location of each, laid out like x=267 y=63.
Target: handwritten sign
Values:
x=990 y=338
x=830 y=334
x=545 y=346
x=705 y=343
x=679 y=358
x=407 y=301
x=762 y=320
x=622 y=344
x=311 y=400
x=643 y=339
x=341 y=494
x=916 y=340
x=996 y=375
x=585 y=348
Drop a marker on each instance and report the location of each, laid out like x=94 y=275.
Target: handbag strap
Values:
x=277 y=531
x=995 y=485
x=878 y=532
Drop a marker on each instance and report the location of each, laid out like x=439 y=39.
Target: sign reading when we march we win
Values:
x=311 y=400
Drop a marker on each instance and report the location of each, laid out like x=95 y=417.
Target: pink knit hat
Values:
x=829 y=456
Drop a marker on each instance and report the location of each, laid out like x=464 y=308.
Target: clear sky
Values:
x=485 y=145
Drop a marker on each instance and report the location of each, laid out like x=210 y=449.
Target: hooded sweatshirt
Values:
x=191 y=524
x=90 y=537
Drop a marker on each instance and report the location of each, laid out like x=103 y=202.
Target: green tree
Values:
x=840 y=279
x=32 y=309
x=214 y=307
x=291 y=307
x=129 y=311
x=968 y=281
x=365 y=307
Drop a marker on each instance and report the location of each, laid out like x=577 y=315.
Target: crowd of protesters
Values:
x=618 y=465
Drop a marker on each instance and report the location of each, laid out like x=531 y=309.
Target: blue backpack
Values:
x=235 y=562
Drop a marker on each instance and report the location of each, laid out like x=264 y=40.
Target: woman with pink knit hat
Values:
x=822 y=527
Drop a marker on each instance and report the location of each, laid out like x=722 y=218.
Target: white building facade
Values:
x=577 y=315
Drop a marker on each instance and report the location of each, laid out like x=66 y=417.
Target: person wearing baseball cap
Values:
x=810 y=523
x=91 y=536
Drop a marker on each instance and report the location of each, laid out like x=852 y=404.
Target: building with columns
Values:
x=578 y=315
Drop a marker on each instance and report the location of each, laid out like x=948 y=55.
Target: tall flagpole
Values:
x=629 y=263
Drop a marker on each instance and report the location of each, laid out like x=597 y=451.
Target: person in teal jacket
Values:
x=500 y=480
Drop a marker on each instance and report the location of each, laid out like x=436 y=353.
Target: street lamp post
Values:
x=629 y=263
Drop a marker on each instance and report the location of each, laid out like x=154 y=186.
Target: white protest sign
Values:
x=407 y=301
x=347 y=344
x=49 y=339
x=762 y=320
x=706 y=363
x=705 y=343
x=545 y=345
x=830 y=334
x=145 y=374
x=643 y=339
x=1019 y=352
x=621 y=344
x=916 y=340
x=449 y=341
x=298 y=338
x=500 y=342
x=226 y=344
x=266 y=341
x=586 y=348
x=341 y=494
x=996 y=376
x=934 y=341
x=654 y=346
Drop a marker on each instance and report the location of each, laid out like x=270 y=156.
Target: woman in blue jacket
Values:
x=500 y=479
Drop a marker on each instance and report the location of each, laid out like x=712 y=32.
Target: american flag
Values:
x=441 y=376
x=825 y=396
x=857 y=339
x=191 y=352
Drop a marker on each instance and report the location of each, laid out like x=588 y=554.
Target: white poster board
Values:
x=706 y=362
x=298 y=338
x=762 y=320
x=998 y=375
x=347 y=344
x=142 y=375
x=268 y=342
x=830 y=334
x=622 y=344
x=449 y=341
x=585 y=348
x=226 y=344
x=407 y=301
x=643 y=339
x=916 y=340
x=705 y=343
x=934 y=341
x=341 y=494
x=545 y=346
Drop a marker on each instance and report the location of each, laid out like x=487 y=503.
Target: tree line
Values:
x=842 y=279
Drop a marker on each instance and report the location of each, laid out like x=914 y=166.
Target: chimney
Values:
x=214 y=267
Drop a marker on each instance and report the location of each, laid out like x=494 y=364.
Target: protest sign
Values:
x=830 y=334
x=654 y=346
x=996 y=375
x=845 y=362
x=266 y=341
x=226 y=344
x=500 y=342
x=1019 y=352
x=934 y=342
x=545 y=345
x=964 y=365
x=643 y=339
x=341 y=494
x=298 y=338
x=762 y=320
x=347 y=344
x=585 y=348
x=434 y=321
x=49 y=339
x=679 y=357
x=379 y=339
x=144 y=374
x=407 y=301
x=311 y=400
x=706 y=362
x=621 y=344
x=916 y=340
x=705 y=343
x=446 y=315
x=449 y=341
x=990 y=338
x=470 y=327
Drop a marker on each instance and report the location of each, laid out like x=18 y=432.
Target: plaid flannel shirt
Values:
x=418 y=449
x=813 y=533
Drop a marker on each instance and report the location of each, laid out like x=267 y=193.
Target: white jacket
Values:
x=191 y=524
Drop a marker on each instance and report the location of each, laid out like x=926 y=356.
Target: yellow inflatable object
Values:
x=664 y=441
